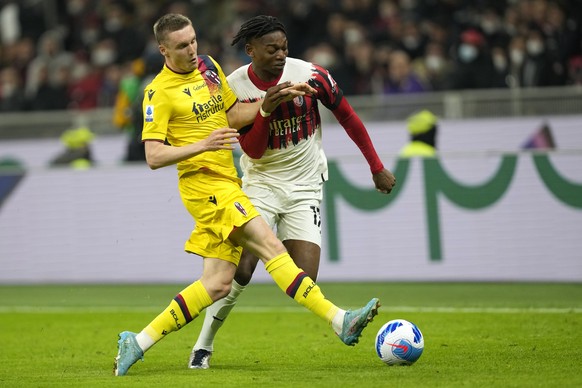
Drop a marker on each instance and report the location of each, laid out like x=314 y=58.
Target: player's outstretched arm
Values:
x=160 y=155
x=383 y=179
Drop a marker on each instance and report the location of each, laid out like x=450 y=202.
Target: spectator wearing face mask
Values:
x=538 y=69
x=412 y=41
x=433 y=67
x=500 y=67
x=516 y=57
x=473 y=68
x=492 y=28
x=121 y=28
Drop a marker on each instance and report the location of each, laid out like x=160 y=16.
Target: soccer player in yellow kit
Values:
x=190 y=105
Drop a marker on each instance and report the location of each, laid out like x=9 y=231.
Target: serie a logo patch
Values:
x=149 y=113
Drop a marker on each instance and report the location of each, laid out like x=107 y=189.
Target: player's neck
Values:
x=179 y=72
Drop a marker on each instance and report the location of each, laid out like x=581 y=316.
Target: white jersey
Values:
x=294 y=153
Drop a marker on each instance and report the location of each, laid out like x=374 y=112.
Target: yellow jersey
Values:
x=418 y=149
x=185 y=108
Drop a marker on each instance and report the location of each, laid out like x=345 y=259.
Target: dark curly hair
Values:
x=257 y=27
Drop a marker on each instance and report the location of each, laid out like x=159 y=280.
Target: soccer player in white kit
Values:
x=284 y=166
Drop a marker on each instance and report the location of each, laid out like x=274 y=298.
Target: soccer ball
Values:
x=399 y=342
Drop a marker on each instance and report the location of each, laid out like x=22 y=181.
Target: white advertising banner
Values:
x=482 y=211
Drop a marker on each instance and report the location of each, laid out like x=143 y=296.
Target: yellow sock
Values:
x=186 y=306
x=299 y=286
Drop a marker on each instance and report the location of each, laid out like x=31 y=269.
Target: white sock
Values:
x=215 y=316
x=337 y=323
x=144 y=341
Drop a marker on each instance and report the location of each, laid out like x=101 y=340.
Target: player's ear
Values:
x=249 y=50
x=163 y=50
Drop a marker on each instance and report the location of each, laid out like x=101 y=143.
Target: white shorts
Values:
x=292 y=211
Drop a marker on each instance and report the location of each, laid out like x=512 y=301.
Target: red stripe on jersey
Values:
x=293 y=121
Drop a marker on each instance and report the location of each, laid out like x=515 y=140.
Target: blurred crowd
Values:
x=83 y=54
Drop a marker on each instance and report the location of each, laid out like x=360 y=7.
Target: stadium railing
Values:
x=447 y=104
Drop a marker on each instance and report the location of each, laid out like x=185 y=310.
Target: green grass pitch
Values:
x=476 y=335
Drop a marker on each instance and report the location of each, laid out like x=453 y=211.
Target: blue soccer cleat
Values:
x=128 y=353
x=355 y=322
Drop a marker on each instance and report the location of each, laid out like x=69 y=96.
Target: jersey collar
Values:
x=259 y=83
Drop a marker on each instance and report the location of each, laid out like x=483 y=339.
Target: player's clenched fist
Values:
x=384 y=181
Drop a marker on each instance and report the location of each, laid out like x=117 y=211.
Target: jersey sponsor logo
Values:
x=189 y=89
x=149 y=113
x=240 y=208
x=286 y=126
x=208 y=108
x=291 y=131
x=212 y=199
x=151 y=93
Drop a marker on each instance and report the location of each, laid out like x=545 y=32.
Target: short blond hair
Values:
x=169 y=23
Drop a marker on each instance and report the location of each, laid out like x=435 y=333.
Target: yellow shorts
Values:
x=218 y=206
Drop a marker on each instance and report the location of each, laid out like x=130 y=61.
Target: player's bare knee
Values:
x=223 y=291
x=218 y=290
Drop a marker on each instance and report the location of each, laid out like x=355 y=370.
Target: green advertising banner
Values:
x=473 y=213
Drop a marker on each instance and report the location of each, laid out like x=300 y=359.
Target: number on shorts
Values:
x=316 y=216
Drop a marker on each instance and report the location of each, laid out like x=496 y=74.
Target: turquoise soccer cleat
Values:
x=355 y=322
x=128 y=353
